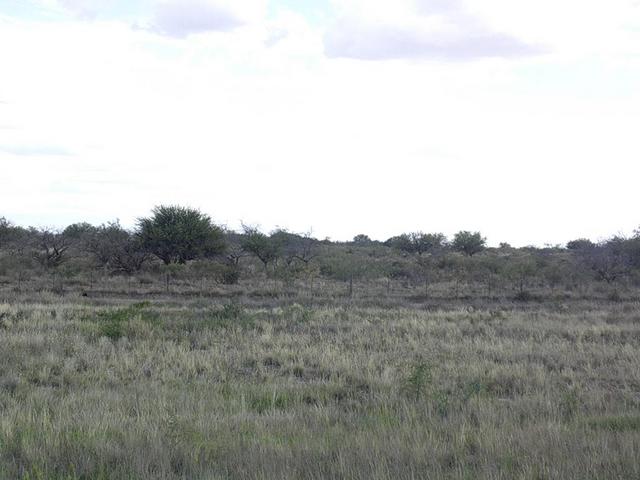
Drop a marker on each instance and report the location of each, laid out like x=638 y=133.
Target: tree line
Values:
x=175 y=236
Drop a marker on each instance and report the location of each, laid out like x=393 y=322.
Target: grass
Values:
x=208 y=388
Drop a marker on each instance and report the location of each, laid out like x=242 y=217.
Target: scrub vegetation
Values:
x=259 y=356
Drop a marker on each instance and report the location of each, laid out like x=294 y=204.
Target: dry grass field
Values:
x=202 y=387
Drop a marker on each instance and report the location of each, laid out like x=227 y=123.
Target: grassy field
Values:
x=188 y=386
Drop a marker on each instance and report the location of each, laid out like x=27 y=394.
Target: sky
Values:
x=339 y=117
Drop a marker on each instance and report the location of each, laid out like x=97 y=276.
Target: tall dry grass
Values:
x=199 y=387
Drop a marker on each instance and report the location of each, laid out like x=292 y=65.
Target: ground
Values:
x=205 y=387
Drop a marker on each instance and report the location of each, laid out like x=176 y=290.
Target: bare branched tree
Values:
x=116 y=249
x=51 y=248
x=608 y=260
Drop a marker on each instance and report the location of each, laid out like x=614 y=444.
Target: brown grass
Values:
x=186 y=387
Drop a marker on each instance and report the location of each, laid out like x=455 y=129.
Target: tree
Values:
x=234 y=252
x=17 y=242
x=6 y=232
x=178 y=234
x=294 y=247
x=580 y=244
x=129 y=257
x=264 y=248
x=520 y=271
x=79 y=231
x=556 y=272
x=632 y=248
x=103 y=242
x=361 y=239
x=608 y=260
x=469 y=243
x=10 y=234
x=283 y=244
x=427 y=242
x=347 y=267
x=400 y=242
x=116 y=249
x=51 y=248
x=418 y=242
x=298 y=251
x=487 y=270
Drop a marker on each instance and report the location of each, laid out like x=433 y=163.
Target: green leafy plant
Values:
x=418 y=380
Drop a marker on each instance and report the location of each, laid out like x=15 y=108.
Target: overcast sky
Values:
x=517 y=118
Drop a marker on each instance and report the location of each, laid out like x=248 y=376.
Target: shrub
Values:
x=113 y=323
x=178 y=234
x=418 y=380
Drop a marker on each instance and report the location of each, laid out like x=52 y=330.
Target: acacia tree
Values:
x=102 y=242
x=178 y=234
x=347 y=267
x=469 y=243
x=16 y=241
x=51 y=248
x=294 y=247
x=79 y=232
x=116 y=249
x=7 y=233
x=580 y=244
x=362 y=239
x=608 y=260
x=487 y=270
x=418 y=242
x=520 y=271
x=234 y=252
x=260 y=245
x=425 y=247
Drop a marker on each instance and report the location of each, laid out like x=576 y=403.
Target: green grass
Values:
x=190 y=388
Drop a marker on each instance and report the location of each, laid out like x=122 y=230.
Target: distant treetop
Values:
x=469 y=243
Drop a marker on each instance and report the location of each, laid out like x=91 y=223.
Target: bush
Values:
x=226 y=274
x=177 y=234
x=419 y=379
x=231 y=315
x=113 y=323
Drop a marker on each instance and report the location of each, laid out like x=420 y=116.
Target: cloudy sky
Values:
x=517 y=118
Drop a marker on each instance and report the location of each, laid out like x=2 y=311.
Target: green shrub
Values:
x=113 y=323
x=418 y=381
x=231 y=315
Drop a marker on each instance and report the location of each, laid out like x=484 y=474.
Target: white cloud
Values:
x=422 y=30
x=181 y=19
x=86 y=9
x=273 y=132
x=570 y=27
x=174 y=18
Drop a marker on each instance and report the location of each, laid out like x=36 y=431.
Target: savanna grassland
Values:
x=231 y=383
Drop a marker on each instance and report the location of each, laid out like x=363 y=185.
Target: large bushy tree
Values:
x=9 y=233
x=178 y=234
x=469 y=243
x=580 y=244
x=418 y=242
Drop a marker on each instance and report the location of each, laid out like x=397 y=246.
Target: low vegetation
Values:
x=194 y=388
x=281 y=356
